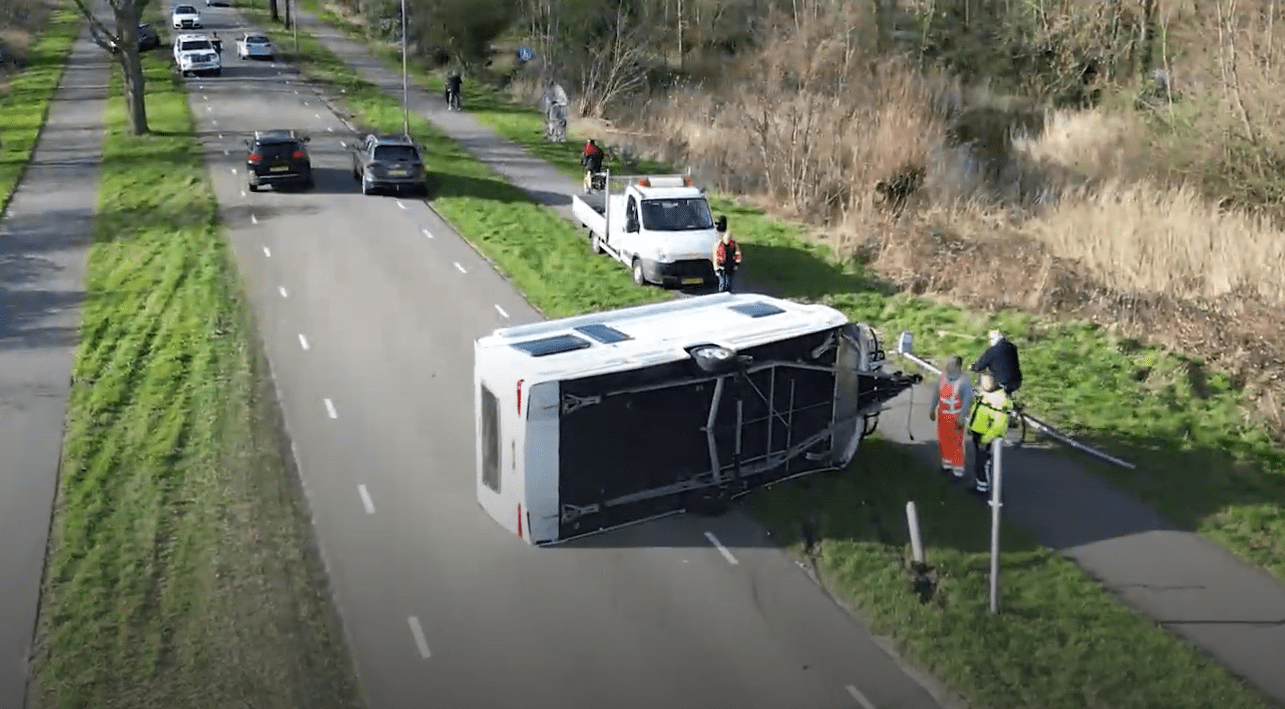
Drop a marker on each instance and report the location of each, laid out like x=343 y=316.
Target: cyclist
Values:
x=1001 y=360
x=591 y=159
x=454 y=85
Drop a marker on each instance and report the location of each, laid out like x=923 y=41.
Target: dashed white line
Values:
x=296 y=90
x=366 y=502
x=234 y=171
x=254 y=219
x=861 y=698
x=461 y=268
x=331 y=129
x=226 y=151
x=343 y=143
x=220 y=136
x=318 y=115
x=204 y=97
x=500 y=310
x=418 y=631
x=209 y=108
x=242 y=193
x=330 y=409
x=427 y=233
x=305 y=102
x=282 y=291
x=399 y=204
x=267 y=252
x=721 y=549
x=303 y=341
x=214 y=123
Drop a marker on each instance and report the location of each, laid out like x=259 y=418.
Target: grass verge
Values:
x=1064 y=642
x=24 y=102
x=180 y=572
x=1202 y=458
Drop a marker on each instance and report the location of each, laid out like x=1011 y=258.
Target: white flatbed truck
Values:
x=599 y=421
x=660 y=226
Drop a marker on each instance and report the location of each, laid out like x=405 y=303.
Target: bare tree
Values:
x=122 y=44
x=615 y=65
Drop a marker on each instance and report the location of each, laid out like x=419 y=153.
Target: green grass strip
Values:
x=1202 y=459
x=180 y=573
x=24 y=103
x=1063 y=641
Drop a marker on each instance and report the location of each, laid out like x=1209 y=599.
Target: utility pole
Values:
x=405 y=81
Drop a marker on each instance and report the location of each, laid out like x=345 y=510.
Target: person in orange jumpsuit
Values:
x=950 y=406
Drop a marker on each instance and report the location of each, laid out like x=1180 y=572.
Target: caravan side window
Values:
x=490 y=440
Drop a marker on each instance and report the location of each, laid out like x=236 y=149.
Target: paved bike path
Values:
x=44 y=241
x=1233 y=611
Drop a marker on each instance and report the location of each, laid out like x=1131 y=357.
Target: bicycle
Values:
x=452 y=101
x=1015 y=436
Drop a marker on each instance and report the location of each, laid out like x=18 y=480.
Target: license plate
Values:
x=692 y=281
x=279 y=168
x=397 y=173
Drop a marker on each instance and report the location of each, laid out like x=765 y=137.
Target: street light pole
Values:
x=405 y=82
x=997 y=497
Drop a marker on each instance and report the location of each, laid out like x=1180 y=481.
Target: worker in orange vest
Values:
x=954 y=394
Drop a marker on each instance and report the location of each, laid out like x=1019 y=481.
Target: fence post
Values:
x=997 y=481
x=916 y=544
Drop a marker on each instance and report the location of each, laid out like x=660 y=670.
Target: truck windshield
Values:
x=689 y=214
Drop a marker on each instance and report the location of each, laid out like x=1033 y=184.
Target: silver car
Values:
x=255 y=45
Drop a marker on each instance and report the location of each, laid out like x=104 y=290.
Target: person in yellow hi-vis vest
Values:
x=987 y=421
x=954 y=396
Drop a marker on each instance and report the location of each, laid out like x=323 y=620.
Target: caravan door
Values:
x=499 y=430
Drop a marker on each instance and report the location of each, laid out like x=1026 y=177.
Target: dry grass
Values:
x=20 y=21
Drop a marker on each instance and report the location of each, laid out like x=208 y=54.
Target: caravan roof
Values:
x=647 y=335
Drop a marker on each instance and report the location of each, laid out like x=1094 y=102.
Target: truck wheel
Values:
x=640 y=278
x=595 y=243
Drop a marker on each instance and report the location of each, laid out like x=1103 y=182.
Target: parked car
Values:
x=255 y=45
x=185 y=17
x=147 y=38
x=389 y=162
x=275 y=157
x=218 y=3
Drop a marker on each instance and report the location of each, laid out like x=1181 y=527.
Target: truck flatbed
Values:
x=597 y=202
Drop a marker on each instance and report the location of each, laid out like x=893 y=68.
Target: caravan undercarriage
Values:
x=641 y=444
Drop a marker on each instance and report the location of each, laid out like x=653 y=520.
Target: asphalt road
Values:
x=44 y=240
x=369 y=307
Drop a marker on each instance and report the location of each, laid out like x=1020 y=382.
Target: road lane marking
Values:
x=318 y=115
x=226 y=151
x=242 y=193
x=234 y=171
x=418 y=632
x=343 y=144
x=366 y=502
x=204 y=97
x=861 y=698
x=721 y=549
x=220 y=136
x=330 y=409
x=282 y=290
x=296 y=90
x=427 y=233
x=399 y=204
x=305 y=102
x=254 y=219
x=461 y=268
x=209 y=108
x=501 y=311
x=303 y=341
x=267 y=252
x=332 y=130
x=214 y=123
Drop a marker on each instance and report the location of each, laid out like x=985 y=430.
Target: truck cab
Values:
x=660 y=227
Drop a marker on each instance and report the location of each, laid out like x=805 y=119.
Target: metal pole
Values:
x=405 y=82
x=916 y=544
x=294 y=24
x=997 y=481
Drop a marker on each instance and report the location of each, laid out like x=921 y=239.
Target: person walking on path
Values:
x=987 y=422
x=1001 y=360
x=954 y=396
x=726 y=257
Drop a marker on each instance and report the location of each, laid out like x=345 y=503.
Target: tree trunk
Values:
x=289 y=19
x=272 y=7
x=132 y=68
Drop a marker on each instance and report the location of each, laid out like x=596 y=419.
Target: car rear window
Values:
x=256 y=40
x=273 y=151
x=396 y=152
x=195 y=46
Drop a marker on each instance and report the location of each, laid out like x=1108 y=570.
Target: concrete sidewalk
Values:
x=44 y=240
x=1231 y=610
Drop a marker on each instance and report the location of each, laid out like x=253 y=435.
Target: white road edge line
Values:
x=721 y=549
x=861 y=698
x=330 y=409
x=399 y=204
x=461 y=268
x=303 y=341
x=427 y=233
x=267 y=252
x=366 y=502
x=282 y=291
x=418 y=631
x=500 y=310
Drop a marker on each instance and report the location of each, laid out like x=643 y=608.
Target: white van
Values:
x=597 y=421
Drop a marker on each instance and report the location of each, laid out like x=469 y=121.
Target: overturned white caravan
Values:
x=597 y=421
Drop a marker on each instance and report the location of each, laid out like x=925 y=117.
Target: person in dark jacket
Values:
x=454 y=88
x=591 y=159
x=1001 y=360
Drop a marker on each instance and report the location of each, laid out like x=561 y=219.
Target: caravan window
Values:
x=490 y=440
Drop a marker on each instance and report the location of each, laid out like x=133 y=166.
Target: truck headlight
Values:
x=664 y=257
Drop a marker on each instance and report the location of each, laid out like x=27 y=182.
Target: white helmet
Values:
x=996 y=336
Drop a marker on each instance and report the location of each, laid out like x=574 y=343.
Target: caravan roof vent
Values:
x=756 y=309
x=552 y=345
x=605 y=334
